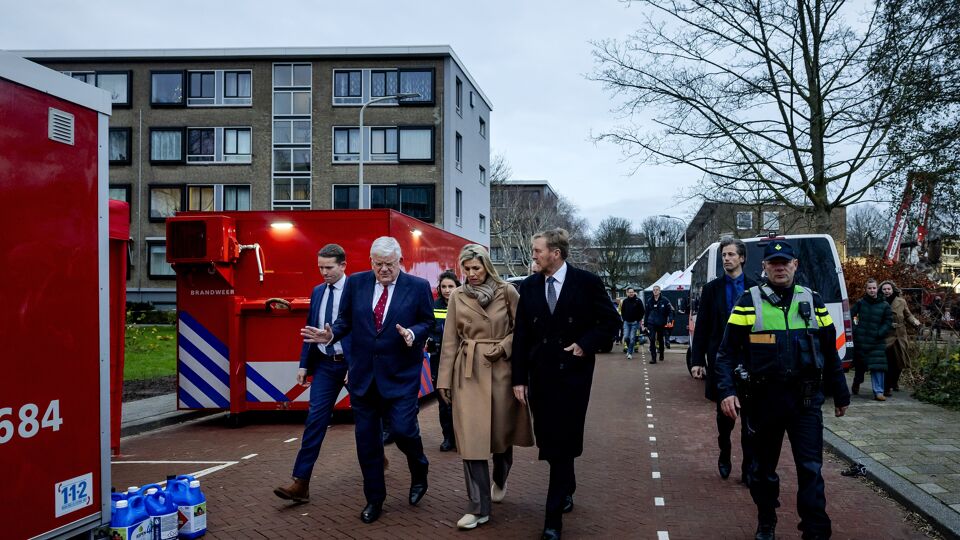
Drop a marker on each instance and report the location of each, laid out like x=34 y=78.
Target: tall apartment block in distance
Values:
x=260 y=129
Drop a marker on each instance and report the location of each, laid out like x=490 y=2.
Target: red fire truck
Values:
x=243 y=292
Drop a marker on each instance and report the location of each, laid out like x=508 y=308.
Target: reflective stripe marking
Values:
x=274 y=393
x=744 y=309
x=742 y=320
x=191 y=395
x=199 y=368
x=825 y=320
x=841 y=340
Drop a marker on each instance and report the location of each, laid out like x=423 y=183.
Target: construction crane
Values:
x=892 y=253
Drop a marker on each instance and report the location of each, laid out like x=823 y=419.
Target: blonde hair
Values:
x=476 y=251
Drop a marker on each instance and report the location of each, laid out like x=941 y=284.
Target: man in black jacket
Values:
x=658 y=317
x=716 y=302
x=631 y=311
x=563 y=318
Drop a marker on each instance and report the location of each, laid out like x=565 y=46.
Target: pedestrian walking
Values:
x=897 y=340
x=874 y=321
x=780 y=344
x=446 y=284
x=476 y=379
x=631 y=311
x=659 y=314
x=322 y=369
x=563 y=318
x=716 y=303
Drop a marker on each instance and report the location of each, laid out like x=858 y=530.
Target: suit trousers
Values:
x=658 y=336
x=327 y=382
x=725 y=426
x=563 y=482
x=476 y=473
x=369 y=412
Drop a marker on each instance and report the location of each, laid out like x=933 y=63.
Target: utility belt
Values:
x=807 y=384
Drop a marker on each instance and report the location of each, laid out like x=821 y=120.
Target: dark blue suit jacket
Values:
x=309 y=353
x=383 y=357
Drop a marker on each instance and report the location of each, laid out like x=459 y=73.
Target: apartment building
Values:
x=278 y=128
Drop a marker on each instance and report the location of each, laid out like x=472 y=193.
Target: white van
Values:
x=819 y=270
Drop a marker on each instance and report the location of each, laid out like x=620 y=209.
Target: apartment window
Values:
x=771 y=221
x=515 y=255
x=459 y=152
x=459 y=207
x=383 y=144
x=384 y=83
x=483 y=176
x=166 y=88
x=483 y=223
x=201 y=145
x=496 y=254
x=291 y=193
x=459 y=96
x=236 y=143
x=202 y=85
x=285 y=75
x=236 y=197
x=238 y=84
x=218 y=145
x=200 y=198
x=414 y=200
x=483 y=128
x=291 y=160
x=418 y=81
x=291 y=103
x=166 y=145
x=744 y=221
x=471 y=99
x=291 y=132
x=218 y=197
x=157 y=265
x=346 y=144
x=88 y=77
x=347 y=87
x=115 y=82
x=165 y=201
x=120 y=146
x=415 y=144
x=120 y=192
x=219 y=88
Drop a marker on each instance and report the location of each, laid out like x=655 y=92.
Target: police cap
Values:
x=778 y=249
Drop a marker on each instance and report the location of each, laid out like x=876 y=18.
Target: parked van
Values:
x=819 y=270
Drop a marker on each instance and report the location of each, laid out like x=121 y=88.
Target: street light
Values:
x=398 y=97
x=681 y=220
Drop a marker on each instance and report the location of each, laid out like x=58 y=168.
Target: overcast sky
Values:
x=529 y=57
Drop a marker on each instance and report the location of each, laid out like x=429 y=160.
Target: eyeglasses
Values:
x=390 y=265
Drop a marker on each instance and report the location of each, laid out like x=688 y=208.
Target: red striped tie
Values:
x=378 y=311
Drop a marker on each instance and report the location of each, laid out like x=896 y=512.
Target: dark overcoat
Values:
x=874 y=321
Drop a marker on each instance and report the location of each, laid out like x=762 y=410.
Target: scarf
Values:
x=483 y=293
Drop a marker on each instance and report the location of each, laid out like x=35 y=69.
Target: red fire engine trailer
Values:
x=54 y=408
x=243 y=292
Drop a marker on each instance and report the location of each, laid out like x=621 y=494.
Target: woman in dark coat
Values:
x=446 y=283
x=874 y=322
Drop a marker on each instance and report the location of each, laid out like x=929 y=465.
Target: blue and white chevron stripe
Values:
x=203 y=366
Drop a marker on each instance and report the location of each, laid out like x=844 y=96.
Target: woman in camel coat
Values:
x=897 y=341
x=475 y=376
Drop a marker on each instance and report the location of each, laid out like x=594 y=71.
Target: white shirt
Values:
x=337 y=292
x=560 y=275
x=378 y=290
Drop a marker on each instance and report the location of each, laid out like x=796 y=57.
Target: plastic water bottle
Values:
x=127 y=522
x=192 y=505
x=162 y=511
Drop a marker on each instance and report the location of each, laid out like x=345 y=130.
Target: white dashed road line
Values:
x=290 y=440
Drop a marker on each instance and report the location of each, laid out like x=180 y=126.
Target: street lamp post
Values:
x=681 y=220
x=397 y=97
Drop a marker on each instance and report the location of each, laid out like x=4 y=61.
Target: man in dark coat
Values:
x=658 y=316
x=716 y=302
x=563 y=318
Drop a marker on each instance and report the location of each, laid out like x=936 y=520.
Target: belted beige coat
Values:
x=475 y=367
x=898 y=343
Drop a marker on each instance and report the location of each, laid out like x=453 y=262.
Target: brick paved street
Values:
x=619 y=495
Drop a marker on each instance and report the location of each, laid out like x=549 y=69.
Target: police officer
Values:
x=782 y=338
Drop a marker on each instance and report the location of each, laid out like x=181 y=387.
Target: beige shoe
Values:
x=880 y=397
x=497 y=493
x=470 y=521
x=298 y=491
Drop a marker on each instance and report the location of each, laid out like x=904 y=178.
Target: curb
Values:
x=941 y=517
x=164 y=420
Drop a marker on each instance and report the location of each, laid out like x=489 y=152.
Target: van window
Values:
x=817 y=270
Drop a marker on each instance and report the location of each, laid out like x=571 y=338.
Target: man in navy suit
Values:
x=388 y=315
x=327 y=365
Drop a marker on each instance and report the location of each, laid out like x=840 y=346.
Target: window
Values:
x=291 y=132
x=384 y=83
x=496 y=254
x=415 y=144
x=202 y=84
x=483 y=223
x=166 y=145
x=217 y=197
x=515 y=255
x=291 y=160
x=218 y=145
x=118 y=84
x=459 y=96
x=88 y=77
x=285 y=75
x=165 y=201
x=414 y=200
x=346 y=144
x=483 y=128
x=383 y=144
x=236 y=142
x=483 y=176
x=120 y=146
x=471 y=99
x=200 y=198
x=219 y=88
x=236 y=197
x=744 y=221
x=771 y=221
x=459 y=150
x=157 y=265
x=347 y=87
x=166 y=88
x=291 y=193
x=120 y=192
x=459 y=207
x=291 y=103
x=418 y=81
x=201 y=144
x=237 y=84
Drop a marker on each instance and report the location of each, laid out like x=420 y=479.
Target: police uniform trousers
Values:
x=777 y=408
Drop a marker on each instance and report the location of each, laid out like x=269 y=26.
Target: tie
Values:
x=378 y=311
x=328 y=312
x=551 y=294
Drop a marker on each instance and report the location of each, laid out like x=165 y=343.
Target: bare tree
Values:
x=867 y=231
x=611 y=258
x=769 y=92
x=500 y=169
x=662 y=237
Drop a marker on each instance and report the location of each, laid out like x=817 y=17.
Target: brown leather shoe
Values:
x=298 y=491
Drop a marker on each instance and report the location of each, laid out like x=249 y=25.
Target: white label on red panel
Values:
x=74 y=494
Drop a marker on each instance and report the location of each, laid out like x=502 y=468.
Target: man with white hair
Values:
x=388 y=315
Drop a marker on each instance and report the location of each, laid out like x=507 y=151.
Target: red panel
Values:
x=49 y=326
x=119 y=237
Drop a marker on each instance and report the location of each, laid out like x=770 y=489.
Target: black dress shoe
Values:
x=745 y=479
x=387 y=438
x=447 y=445
x=568 y=504
x=550 y=534
x=654 y=361
x=765 y=531
x=371 y=512
x=724 y=468
x=417 y=491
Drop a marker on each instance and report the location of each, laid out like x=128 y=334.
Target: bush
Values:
x=147 y=313
x=935 y=373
